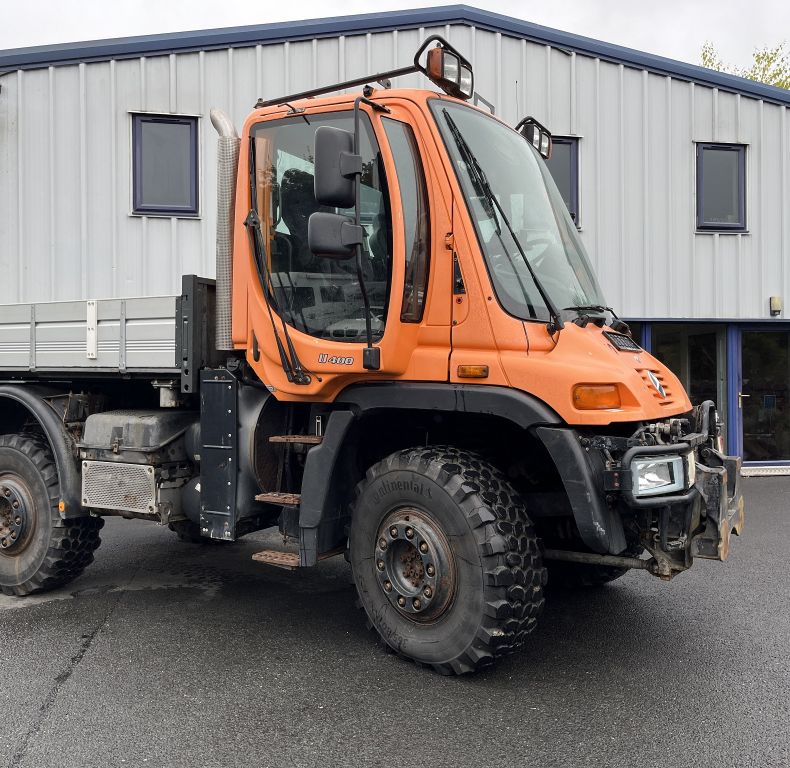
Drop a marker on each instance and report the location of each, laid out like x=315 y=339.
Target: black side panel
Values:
x=318 y=488
x=196 y=330
x=511 y=404
x=600 y=528
x=218 y=453
x=31 y=397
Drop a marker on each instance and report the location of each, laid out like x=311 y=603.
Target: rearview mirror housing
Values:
x=333 y=235
x=336 y=167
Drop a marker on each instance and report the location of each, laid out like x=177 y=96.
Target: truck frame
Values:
x=405 y=358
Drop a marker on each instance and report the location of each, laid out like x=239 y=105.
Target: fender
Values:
x=32 y=398
x=514 y=405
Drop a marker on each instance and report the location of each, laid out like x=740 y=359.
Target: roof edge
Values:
x=235 y=37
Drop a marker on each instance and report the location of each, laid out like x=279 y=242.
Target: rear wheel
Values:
x=445 y=560
x=38 y=550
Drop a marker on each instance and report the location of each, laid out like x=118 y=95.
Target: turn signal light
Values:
x=596 y=397
x=472 y=371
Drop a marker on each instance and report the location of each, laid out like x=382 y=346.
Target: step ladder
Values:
x=289 y=560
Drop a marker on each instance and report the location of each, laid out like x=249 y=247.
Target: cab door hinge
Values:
x=449 y=241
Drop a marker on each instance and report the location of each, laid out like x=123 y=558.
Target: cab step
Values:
x=288 y=560
x=283 y=499
x=298 y=439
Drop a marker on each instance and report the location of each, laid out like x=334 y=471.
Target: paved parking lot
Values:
x=168 y=654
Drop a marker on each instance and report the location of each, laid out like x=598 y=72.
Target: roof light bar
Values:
x=537 y=135
x=444 y=67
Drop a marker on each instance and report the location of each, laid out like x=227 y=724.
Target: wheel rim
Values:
x=17 y=520
x=414 y=565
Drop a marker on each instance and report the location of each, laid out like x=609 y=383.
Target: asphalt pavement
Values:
x=169 y=654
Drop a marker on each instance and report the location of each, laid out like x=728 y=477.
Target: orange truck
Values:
x=405 y=358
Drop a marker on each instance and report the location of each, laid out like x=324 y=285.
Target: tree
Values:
x=769 y=65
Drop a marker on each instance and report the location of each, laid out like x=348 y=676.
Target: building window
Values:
x=165 y=165
x=721 y=187
x=564 y=167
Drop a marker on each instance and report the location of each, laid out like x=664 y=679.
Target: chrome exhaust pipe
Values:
x=227 y=163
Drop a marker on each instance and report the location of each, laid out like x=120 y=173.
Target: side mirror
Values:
x=333 y=235
x=336 y=167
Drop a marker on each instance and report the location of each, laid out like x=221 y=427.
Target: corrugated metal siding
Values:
x=65 y=160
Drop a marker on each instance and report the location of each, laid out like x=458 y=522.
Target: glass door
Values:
x=764 y=396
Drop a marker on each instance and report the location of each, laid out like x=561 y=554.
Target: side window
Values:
x=316 y=295
x=164 y=165
x=564 y=167
x=721 y=187
x=414 y=200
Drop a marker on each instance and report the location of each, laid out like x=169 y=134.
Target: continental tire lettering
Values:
x=388 y=486
x=333 y=360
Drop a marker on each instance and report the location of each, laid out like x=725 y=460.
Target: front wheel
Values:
x=445 y=559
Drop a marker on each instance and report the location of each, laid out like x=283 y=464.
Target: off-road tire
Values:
x=55 y=551
x=498 y=565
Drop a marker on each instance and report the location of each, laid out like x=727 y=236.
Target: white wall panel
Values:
x=66 y=231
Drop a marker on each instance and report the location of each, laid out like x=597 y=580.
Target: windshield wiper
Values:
x=493 y=206
x=617 y=324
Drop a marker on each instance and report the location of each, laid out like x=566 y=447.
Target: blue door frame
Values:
x=732 y=413
x=735 y=382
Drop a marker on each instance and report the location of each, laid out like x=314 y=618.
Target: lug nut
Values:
x=417 y=603
x=13 y=535
x=388 y=586
x=17 y=520
x=382 y=543
x=430 y=570
x=3 y=543
x=428 y=592
x=7 y=492
x=380 y=565
x=410 y=533
x=401 y=601
x=394 y=532
x=15 y=505
x=423 y=547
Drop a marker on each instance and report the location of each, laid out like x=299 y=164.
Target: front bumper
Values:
x=712 y=509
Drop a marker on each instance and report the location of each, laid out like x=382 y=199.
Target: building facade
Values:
x=678 y=177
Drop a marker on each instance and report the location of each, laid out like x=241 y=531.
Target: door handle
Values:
x=740 y=399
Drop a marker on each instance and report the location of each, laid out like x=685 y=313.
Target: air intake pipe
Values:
x=227 y=163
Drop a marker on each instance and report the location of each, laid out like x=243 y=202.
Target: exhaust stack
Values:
x=227 y=163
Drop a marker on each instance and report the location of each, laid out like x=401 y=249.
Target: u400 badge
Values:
x=333 y=360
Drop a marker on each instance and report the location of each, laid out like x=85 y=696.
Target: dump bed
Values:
x=105 y=335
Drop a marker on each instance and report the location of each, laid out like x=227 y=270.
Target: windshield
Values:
x=515 y=174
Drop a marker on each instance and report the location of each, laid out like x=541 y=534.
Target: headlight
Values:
x=653 y=475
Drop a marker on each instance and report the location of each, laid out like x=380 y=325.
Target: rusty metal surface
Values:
x=274 y=497
x=300 y=439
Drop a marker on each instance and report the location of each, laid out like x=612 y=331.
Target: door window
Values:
x=316 y=295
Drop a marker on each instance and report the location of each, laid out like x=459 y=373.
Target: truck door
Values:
x=319 y=300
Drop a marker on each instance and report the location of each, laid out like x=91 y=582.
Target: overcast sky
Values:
x=674 y=28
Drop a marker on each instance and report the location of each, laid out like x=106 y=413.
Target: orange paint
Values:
x=468 y=329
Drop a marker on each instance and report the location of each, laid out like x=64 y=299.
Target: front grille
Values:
x=110 y=485
x=668 y=398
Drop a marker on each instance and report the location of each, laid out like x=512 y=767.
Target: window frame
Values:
x=719 y=226
x=139 y=207
x=422 y=182
x=573 y=143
